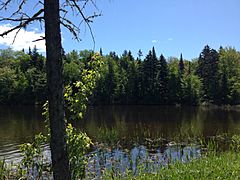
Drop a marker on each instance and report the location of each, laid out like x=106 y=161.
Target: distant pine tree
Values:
x=181 y=65
x=29 y=51
x=140 y=54
x=208 y=72
x=162 y=80
x=149 y=76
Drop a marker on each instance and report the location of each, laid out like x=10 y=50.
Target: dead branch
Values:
x=19 y=7
x=4 y=5
x=40 y=39
x=74 y=6
x=23 y=22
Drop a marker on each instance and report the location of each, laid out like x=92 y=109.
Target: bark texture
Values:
x=60 y=163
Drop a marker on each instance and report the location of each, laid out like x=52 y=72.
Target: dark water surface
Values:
x=164 y=121
x=19 y=125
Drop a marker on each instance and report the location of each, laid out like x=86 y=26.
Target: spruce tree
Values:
x=181 y=65
x=162 y=80
x=100 y=52
x=208 y=72
x=149 y=76
x=140 y=54
x=180 y=80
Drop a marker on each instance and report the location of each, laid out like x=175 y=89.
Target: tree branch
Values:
x=19 y=7
x=75 y=6
x=87 y=19
x=40 y=39
x=4 y=4
x=23 y=22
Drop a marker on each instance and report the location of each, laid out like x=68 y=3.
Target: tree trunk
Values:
x=60 y=163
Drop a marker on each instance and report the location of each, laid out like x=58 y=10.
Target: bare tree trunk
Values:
x=60 y=163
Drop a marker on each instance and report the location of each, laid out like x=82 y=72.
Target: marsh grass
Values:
x=223 y=166
x=3 y=170
x=219 y=159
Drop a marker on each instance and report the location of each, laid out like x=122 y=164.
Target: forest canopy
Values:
x=213 y=78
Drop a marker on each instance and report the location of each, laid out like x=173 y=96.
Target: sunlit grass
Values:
x=223 y=166
x=214 y=163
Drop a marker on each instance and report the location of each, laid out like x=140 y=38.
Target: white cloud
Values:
x=170 y=39
x=154 y=41
x=24 y=39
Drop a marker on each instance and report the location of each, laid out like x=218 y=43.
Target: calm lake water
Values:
x=19 y=125
x=164 y=121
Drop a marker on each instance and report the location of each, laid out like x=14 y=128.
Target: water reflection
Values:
x=18 y=124
x=160 y=121
x=138 y=159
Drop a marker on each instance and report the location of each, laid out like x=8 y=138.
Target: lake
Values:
x=164 y=121
x=18 y=125
x=141 y=123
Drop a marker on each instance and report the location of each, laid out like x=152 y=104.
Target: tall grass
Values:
x=220 y=159
x=215 y=163
x=223 y=166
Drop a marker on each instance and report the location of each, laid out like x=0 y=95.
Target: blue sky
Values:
x=171 y=26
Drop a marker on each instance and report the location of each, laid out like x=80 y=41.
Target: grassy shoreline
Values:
x=222 y=166
x=214 y=163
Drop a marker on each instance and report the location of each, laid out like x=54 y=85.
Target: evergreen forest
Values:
x=212 y=78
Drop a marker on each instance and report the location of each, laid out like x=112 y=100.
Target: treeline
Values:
x=213 y=78
x=22 y=77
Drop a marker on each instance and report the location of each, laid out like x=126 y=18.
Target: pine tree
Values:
x=37 y=60
x=100 y=52
x=181 y=65
x=140 y=54
x=208 y=72
x=149 y=76
x=162 y=80
x=180 y=80
x=224 y=89
x=29 y=51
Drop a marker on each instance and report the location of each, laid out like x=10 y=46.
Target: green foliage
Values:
x=229 y=71
x=162 y=80
x=7 y=78
x=214 y=163
x=225 y=166
x=71 y=72
x=208 y=72
x=236 y=143
x=78 y=144
x=7 y=57
x=211 y=165
x=181 y=66
x=77 y=95
x=32 y=164
x=3 y=170
x=125 y=80
x=213 y=78
x=150 y=73
x=110 y=136
x=23 y=77
x=191 y=89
